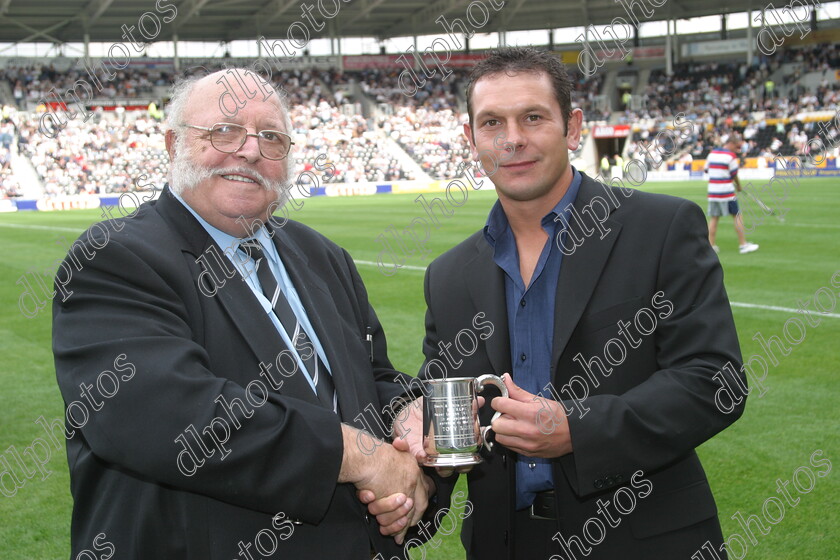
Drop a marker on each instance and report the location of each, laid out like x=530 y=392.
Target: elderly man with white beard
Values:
x=250 y=348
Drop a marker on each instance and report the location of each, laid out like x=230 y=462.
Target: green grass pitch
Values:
x=775 y=439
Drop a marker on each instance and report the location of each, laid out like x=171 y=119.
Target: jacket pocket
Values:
x=673 y=510
x=609 y=317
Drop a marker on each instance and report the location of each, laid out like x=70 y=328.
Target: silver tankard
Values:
x=451 y=431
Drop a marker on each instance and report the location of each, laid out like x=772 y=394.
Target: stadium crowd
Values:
x=720 y=96
x=435 y=93
x=8 y=186
x=31 y=84
x=98 y=156
x=348 y=119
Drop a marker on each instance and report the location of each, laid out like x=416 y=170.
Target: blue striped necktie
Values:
x=315 y=368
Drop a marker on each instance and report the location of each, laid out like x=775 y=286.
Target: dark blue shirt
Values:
x=530 y=314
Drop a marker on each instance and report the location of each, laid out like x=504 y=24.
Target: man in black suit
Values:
x=611 y=327
x=212 y=358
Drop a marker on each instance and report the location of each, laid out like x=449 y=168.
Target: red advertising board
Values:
x=364 y=62
x=611 y=131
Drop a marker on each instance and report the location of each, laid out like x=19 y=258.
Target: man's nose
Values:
x=515 y=139
x=250 y=150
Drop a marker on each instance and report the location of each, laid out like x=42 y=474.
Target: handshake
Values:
x=397 y=491
x=390 y=480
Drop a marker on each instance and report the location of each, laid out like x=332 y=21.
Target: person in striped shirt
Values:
x=722 y=167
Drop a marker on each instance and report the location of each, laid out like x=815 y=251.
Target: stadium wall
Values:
x=752 y=169
x=131 y=199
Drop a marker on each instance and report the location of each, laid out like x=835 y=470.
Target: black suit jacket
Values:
x=187 y=358
x=653 y=406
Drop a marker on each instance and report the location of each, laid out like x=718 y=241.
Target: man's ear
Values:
x=471 y=139
x=170 y=144
x=574 y=131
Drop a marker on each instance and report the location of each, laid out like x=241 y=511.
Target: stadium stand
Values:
x=8 y=186
x=348 y=116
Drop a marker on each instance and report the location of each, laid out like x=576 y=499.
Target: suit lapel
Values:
x=233 y=294
x=581 y=270
x=180 y=220
x=487 y=291
x=322 y=313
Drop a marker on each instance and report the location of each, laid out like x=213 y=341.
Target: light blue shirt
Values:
x=247 y=268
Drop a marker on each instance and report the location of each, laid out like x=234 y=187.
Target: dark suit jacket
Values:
x=648 y=413
x=138 y=299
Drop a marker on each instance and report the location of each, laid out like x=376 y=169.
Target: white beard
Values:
x=186 y=174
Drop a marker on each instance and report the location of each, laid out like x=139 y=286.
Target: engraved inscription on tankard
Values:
x=451 y=432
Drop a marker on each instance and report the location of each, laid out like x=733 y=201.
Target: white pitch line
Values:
x=423 y=269
x=31 y=226
x=785 y=309
x=732 y=303
x=407 y=266
x=828 y=226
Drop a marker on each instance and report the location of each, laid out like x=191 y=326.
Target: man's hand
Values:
x=408 y=434
x=530 y=424
x=394 y=513
x=408 y=430
x=386 y=473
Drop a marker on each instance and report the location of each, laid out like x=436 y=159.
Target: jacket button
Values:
x=610 y=481
x=599 y=483
x=367 y=519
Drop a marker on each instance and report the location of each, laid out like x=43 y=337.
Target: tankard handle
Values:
x=480 y=383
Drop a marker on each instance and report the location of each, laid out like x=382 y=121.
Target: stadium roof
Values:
x=227 y=20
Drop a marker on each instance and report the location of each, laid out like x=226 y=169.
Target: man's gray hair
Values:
x=183 y=87
x=180 y=96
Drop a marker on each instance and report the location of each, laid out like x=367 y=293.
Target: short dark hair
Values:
x=512 y=60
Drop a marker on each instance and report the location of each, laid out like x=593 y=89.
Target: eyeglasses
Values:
x=229 y=138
